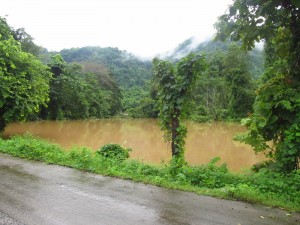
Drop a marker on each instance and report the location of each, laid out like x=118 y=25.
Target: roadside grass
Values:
x=263 y=187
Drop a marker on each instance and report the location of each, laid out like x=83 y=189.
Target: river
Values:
x=204 y=140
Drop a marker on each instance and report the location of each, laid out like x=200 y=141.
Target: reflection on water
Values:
x=143 y=136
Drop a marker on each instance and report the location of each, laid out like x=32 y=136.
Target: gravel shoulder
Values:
x=6 y=220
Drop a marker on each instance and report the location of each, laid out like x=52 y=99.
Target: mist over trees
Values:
x=95 y=82
x=128 y=70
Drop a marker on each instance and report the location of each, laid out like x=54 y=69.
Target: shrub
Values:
x=114 y=151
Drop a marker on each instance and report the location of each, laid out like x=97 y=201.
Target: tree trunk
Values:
x=175 y=124
x=2 y=120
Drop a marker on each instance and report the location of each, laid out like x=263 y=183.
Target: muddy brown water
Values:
x=204 y=141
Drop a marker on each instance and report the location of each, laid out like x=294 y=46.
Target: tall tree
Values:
x=24 y=83
x=241 y=88
x=276 y=115
x=5 y=29
x=105 y=79
x=26 y=41
x=20 y=35
x=174 y=84
x=211 y=92
x=75 y=94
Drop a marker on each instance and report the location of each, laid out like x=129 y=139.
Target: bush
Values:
x=114 y=151
x=210 y=175
x=286 y=185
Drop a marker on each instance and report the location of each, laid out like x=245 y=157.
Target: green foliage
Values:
x=216 y=49
x=276 y=118
x=5 y=30
x=209 y=175
x=174 y=84
x=276 y=108
x=127 y=69
x=271 y=188
x=24 y=83
x=78 y=95
x=27 y=44
x=22 y=37
x=225 y=91
x=252 y=21
x=241 y=88
x=81 y=158
x=29 y=147
x=138 y=103
x=98 y=75
x=114 y=151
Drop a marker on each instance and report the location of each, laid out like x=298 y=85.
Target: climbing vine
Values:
x=174 y=83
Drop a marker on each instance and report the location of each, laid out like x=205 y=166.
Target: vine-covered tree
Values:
x=174 y=84
x=276 y=115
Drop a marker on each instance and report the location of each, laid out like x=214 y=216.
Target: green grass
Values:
x=264 y=187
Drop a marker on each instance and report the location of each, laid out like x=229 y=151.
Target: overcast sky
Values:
x=142 y=27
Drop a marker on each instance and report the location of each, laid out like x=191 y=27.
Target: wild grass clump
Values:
x=265 y=187
x=29 y=147
x=114 y=151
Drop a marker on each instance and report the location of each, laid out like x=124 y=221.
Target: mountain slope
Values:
x=256 y=56
x=127 y=69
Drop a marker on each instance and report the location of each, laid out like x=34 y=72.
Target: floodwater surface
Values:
x=204 y=140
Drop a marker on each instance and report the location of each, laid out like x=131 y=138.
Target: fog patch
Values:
x=187 y=46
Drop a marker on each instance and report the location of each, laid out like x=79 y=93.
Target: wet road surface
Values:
x=34 y=193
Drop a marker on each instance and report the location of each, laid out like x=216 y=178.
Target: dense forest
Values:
x=95 y=82
x=133 y=77
x=239 y=80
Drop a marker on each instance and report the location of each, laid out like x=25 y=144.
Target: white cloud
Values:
x=143 y=27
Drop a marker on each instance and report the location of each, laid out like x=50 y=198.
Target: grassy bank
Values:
x=273 y=189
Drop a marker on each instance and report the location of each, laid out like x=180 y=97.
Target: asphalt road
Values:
x=33 y=193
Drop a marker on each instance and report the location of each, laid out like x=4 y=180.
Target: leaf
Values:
x=245 y=121
x=286 y=104
x=291 y=145
x=273 y=119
